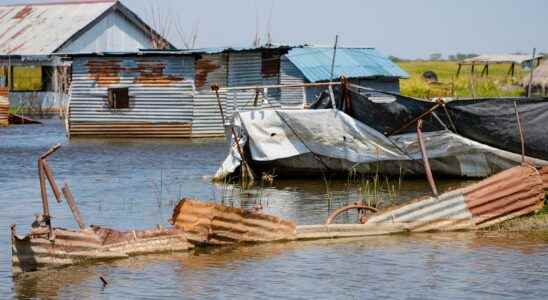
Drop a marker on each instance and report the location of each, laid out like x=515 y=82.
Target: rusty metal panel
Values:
x=211 y=69
x=514 y=192
x=35 y=251
x=161 y=91
x=207 y=121
x=4 y=107
x=544 y=173
x=217 y=224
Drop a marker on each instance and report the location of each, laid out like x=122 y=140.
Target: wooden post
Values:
x=73 y=208
x=458 y=70
x=530 y=88
x=427 y=168
x=484 y=70
x=472 y=69
x=51 y=179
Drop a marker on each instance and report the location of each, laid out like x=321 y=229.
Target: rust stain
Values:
x=10 y=28
x=6 y=12
x=217 y=224
x=153 y=74
x=21 y=31
x=23 y=13
x=105 y=72
x=12 y=50
x=203 y=68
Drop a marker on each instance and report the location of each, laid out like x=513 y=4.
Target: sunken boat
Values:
x=507 y=195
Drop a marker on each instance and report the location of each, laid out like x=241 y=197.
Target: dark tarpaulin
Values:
x=491 y=121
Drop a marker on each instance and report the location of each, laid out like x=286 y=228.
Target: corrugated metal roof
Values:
x=315 y=63
x=34 y=29
x=42 y=29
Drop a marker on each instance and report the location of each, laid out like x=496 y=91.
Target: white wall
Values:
x=113 y=33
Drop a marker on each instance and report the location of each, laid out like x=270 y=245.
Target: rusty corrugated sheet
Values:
x=4 y=107
x=35 y=251
x=161 y=91
x=544 y=173
x=217 y=224
x=509 y=194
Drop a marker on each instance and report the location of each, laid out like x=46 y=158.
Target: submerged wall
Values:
x=160 y=97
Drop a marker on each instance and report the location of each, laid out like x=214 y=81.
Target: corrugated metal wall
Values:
x=289 y=74
x=113 y=33
x=160 y=90
x=210 y=69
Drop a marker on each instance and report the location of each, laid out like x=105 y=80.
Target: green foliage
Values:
x=495 y=85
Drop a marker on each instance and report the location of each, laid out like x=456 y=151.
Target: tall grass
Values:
x=497 y=84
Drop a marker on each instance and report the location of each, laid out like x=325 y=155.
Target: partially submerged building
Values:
x=32 y=36
x=168 y=93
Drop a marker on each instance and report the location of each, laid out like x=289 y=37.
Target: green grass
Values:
x=497 y=84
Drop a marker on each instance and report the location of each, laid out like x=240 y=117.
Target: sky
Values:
x=403 y=28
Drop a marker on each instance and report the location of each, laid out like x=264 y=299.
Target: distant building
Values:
x=168 y=93
x=539 y=83
x=32 y=34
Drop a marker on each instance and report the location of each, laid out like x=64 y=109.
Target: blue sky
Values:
x=409 y=29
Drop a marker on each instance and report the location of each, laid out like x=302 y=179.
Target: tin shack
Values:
x=32 y=36
x=168 y=93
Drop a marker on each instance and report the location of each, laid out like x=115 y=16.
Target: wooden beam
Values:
x=73 y=208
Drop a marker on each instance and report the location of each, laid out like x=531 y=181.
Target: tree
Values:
x=394 y=58
x=435 y=56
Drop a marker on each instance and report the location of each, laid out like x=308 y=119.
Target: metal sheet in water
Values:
x=36 y=251
x=515 y=192
x=217 y=224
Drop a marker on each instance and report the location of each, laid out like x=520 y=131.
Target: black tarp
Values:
x=491 y=121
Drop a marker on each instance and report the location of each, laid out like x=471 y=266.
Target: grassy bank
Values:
x=495 y=85
x=536 y=222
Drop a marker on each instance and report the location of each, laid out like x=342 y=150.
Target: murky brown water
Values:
x=135 y=184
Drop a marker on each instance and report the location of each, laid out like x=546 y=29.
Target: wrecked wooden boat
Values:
x=49 y=247
x=515 y=192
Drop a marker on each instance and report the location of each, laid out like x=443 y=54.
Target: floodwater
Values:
x=128 y=184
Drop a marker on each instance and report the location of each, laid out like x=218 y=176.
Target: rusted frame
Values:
x=358 y=206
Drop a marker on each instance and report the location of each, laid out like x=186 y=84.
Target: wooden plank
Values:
x=73 y=207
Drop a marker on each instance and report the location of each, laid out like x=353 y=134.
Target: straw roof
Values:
x=540 y=76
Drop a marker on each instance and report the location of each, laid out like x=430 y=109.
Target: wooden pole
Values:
x=331 y=95
x=427 y=169
x=73 y=207
x=51 y=179
x=530 y=88
x=521 y=138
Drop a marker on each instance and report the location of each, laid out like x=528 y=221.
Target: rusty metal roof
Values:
x=42 y=29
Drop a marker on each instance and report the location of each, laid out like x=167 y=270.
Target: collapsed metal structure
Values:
x=509 y=194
